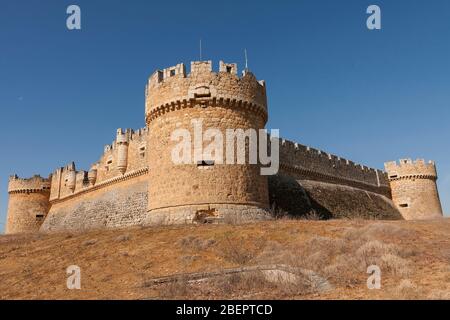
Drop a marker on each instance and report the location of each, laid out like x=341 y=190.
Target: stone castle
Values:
x=135 y=182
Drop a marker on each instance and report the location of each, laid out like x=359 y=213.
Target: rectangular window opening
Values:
x=172 y=73
x=160 y=76
x=142 y=152
x=202 y=95
x=229 y=69
x=404 y=205
x=205 y=163
x=393 y=177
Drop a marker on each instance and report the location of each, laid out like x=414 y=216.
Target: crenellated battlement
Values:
x=159 y=76
x=295 y=147
x=29 y=185
x=128 y=135
x=172 y=89
x=127 y=153
x=314 y=162
x=123 y=136
x=409 y=169
x=139 y=133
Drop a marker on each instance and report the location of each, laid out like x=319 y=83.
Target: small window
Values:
x=393 y=177
x=205 y=163
x=229 y=69
x=142 y=151
x=109 y=162
x=404 y=205
x=172 y=72
x=39 y=216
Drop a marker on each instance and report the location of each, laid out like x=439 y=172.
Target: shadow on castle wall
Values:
x=307 y=198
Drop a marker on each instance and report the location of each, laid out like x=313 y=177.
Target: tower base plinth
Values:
x=207 y=213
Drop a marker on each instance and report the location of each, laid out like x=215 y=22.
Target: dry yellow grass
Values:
x=116 y=264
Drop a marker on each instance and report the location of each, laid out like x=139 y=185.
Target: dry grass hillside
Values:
x=271 y=260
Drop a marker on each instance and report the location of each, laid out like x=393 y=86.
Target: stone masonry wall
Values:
x=298 y=198
x=173 y=88
x=307 y=163
x=414 y=188
x=137 y=156
x=35 y=183
x=117 y=205
x=26 y=211
x=221 y=100
x=105 y=168
x=182 y=184
x=417 y=199
x=28 y=203
x=314 y=181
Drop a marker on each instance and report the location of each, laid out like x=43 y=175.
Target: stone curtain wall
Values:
x=314 y=181
x=299 y=198
x=117 y=205
x=111 y=197
x=307 y=163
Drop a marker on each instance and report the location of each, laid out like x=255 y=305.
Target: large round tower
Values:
x=181 y=108
x=28 y=204
x=414 y=189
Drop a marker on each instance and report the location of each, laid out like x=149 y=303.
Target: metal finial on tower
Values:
x=246 y=60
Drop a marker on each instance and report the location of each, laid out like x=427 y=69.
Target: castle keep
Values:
x=135 y=181
x=222 y=100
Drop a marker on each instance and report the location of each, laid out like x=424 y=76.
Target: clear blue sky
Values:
x=369 y=96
